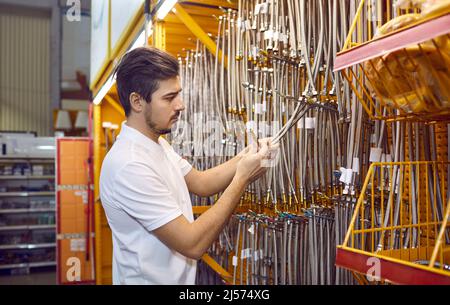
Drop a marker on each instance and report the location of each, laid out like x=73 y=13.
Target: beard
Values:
x=152 y=125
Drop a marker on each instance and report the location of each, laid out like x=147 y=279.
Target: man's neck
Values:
x=143 y=128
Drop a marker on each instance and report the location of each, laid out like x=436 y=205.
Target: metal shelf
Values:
x=27 y=177
x=13 y=160
x=26 y=194
x=392 y=42
x=31 y=227
x=28 y=265
x=17 y=211
x=27 y=246
x=30 y=195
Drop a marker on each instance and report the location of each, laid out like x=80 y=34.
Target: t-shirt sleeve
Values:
x=183 y=164
x=142 y=194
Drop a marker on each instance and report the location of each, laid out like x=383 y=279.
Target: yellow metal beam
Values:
x=217 y=268
x=114 y=104
x=97 y=208
x=193 y=26
x=218 y=3
x=159 y=35
x=200 y=209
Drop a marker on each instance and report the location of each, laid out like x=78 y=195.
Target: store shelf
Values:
x=12 y=160
x=28 y=265
x=373 y=70
x=26 y=194
x=27 y=177
x=32 y=227
x=399 y=244
x=393 y=42
x=17 y=211
x=27 y=246
x=393 y=270
x=35 y=198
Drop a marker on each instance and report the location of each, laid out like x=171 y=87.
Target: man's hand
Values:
x=250 y=167
x=273 y=148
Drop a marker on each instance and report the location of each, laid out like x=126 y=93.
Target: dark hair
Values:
x=140 y=71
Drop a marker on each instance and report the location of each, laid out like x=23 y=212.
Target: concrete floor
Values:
x=34 y=278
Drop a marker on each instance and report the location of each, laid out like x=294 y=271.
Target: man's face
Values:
x=165 y=107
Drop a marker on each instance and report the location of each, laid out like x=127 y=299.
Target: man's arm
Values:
x=216 y=179
x=193 y=239
x=212 y=181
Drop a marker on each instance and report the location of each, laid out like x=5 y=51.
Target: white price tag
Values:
x=258 y=108
x=276 y=36
x=264 y=8
x=251 y=229
x=375 y=154
x=268 y=34
x=348 y=175
x=257 y=8
x=248 y=253
x=235 y=261
x=251 y=125
x=78 y=245
x=355 y=165
x=310 y=123
x=343 y=173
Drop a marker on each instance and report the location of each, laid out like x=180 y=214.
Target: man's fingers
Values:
x=268 y=141
x=274 y=146
x=253 y=148
x=263 y=151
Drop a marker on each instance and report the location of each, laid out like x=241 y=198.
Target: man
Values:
x=145 y=185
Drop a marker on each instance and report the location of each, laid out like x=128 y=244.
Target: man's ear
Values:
x=136 y=102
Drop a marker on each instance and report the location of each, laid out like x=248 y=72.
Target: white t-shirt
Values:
x=142 y=188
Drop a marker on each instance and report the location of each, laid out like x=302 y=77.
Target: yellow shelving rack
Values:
x=400 y=221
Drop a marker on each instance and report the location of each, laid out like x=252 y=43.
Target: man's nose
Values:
x=179 y=106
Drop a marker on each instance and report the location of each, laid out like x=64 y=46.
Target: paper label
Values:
x=257 y=8
x=355 y=165
x=235 y=261
x=264 y=8
x=276 y=36
x=258 y=108
x=251 y=229
x=78 y=245
x=375 y=154
x=348 y=175
x=268 y=34
x=343 y=173
x=310 y=123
